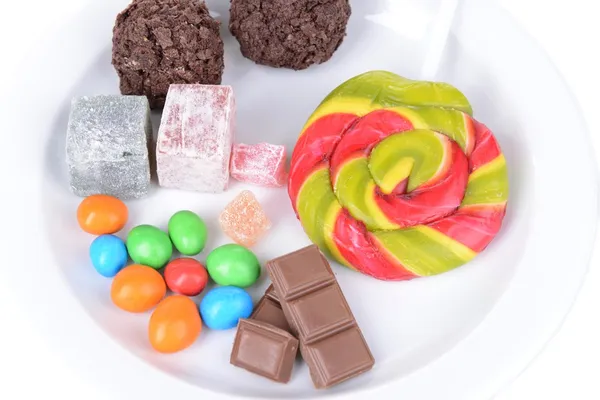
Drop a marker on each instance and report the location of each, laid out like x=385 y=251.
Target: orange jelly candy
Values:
x=244 y=219
x=137 y=288
x=101 y=214
x=174 y=325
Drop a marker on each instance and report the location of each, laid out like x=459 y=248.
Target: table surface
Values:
x=569 y=366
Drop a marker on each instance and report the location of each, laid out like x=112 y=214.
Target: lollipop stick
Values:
x=438 y=38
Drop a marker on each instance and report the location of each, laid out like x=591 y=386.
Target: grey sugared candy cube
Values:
x=108 y=141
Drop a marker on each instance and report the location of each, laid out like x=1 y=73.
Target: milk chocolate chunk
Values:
x=272 y=294
x=331 y=341
x=322 y=314
x=269 y=310
x=265 y=350
x=338 y=358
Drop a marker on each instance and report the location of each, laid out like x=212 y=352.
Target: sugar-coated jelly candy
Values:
x=244 y=220
x=108 y=254
x=137 y=288
x=222 y=307
x=174 y=325
x=100 y=214
x=233 y=265
x=188 y=232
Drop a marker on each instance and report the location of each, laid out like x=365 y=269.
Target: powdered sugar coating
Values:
x=195 y=138
x=107 y=146
x=244 y=219
x=260 y=164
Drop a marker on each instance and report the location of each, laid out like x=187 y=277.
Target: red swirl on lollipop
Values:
x=394 y=178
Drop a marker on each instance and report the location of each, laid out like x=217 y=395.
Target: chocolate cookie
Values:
x=289 y=34
x=160 y=42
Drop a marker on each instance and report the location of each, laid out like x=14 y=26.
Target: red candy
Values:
x=186 y=276
x=260 y=164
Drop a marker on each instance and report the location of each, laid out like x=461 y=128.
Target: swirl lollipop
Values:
x=394 y=178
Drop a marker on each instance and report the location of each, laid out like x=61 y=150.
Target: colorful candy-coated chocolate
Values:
x=108 y=254
x=186 y=276
x=394 y=178
x=100 y=214
x=188 y=232
x=222 y=307
x=233 y=265
x=137 y=288
x=148 y=245
x=174 y=325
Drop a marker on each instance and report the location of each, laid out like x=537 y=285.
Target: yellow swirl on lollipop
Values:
x=394 y=178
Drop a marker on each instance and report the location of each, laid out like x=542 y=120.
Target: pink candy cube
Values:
x=195 y=138
x=244 y=220
x=260 y=164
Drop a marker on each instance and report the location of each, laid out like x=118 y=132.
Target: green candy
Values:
x=148 y=245
x=188 y=232
x=233 y=265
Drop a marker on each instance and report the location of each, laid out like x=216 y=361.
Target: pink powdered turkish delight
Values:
x=260 y=164
x=195 y=138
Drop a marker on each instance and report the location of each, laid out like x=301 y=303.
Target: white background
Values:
x=567 y=369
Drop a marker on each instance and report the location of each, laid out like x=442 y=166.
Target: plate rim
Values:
x=509 y=377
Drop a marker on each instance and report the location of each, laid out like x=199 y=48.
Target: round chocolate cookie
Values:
x=160 y=42
x=289 y=34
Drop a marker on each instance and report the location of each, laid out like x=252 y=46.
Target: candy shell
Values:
x=137 y=288
x=222 y=307
x=174 y=325
x=233 y=265
x=186 y=276
x=148 y=245
x=100 y=214
x=188 y=232
x=108 y=254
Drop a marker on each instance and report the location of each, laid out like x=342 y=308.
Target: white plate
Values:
x=461 y=335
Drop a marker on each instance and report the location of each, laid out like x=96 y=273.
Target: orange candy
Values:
x=174 y=325
x=101 y=214
x=137 y=288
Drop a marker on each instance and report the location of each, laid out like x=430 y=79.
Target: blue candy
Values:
x=108 y=254
x=222 y=307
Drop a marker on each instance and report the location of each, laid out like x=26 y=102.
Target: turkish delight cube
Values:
x=107 y=146
x=260 y=164
x=244 y=219
x=195 y=138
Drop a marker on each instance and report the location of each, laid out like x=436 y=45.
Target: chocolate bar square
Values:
x=269 y=311
x=300 y=271
x=265 y=350
x=271 y=294
x=324 y=312
x=338 y=358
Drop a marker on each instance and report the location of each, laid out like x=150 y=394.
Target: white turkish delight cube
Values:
x=196 y=137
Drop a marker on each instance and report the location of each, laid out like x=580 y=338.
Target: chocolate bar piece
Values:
x=269 y=310
x=272 y=294
x=331 y=342
x=265 y=350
